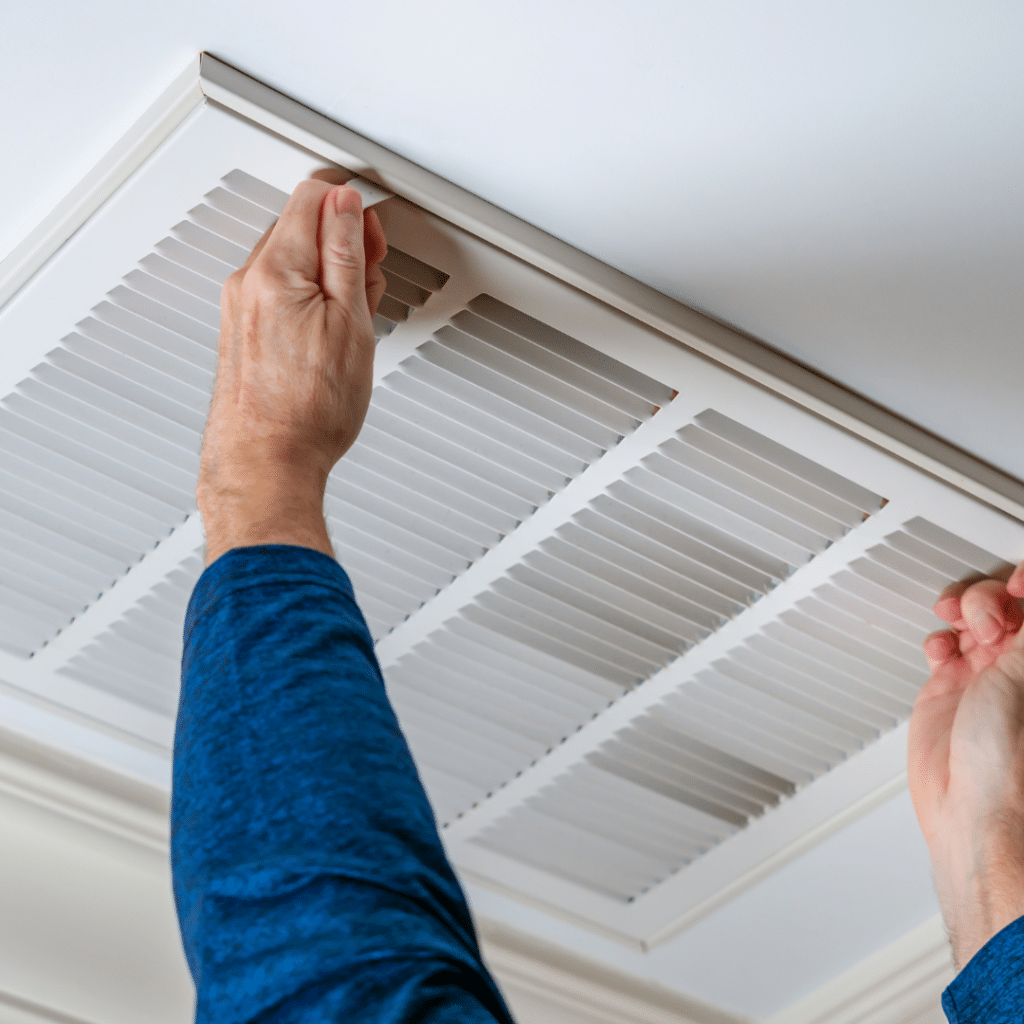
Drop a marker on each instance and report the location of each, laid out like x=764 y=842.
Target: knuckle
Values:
x=230 y=291
x=263 y=280
x=312 y=187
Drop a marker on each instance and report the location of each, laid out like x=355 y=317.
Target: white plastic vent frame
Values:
x=486 y=253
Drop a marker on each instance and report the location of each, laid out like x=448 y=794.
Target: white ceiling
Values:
x=842 y=181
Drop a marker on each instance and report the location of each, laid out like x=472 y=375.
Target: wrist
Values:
x=266 y=511
x=980 y=885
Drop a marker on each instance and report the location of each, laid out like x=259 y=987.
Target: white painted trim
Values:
x=259 y=103
x=893 y=986
x=180 y=98
x=588 y=987
x=75 y=790
x=96 y=743
x=85 y=705
x=15 y=1009
x=846 y=817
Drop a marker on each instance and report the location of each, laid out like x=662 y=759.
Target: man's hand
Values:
x=294 y=372
x=966 y=760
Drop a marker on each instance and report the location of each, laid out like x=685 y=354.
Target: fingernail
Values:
x=988 y=627
x=347 y=202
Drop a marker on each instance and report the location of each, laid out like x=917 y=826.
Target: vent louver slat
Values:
x=631 y=582
x=139 y=657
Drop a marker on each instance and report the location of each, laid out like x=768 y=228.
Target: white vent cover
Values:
x=647 y=625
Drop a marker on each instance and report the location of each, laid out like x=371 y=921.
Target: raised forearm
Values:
x=309 y=877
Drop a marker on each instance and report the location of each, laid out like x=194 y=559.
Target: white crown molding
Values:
x=589 y=988
x=180 y=98
x=15 y=1009
x=79 y=791
x=893 y=986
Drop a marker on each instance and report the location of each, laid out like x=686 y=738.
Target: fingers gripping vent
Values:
x=785 y=706
x=234 y=217
x=99 y=447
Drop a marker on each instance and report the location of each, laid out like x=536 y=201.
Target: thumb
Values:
x=342 y=259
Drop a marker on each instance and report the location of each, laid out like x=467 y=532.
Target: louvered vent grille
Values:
x=462 y=442
x=99 y=448
x=681 y=544
x=780 y=709
x=624 y=628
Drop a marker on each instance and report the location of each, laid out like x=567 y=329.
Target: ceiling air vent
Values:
x=649 y=601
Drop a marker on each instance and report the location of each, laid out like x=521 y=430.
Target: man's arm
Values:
x=310 y=881
x=966 y=776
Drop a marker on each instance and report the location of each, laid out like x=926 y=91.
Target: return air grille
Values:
x=788 y=704
x=635 y=611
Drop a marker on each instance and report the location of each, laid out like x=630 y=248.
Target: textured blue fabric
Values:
x=990 y=988
x=309 y=878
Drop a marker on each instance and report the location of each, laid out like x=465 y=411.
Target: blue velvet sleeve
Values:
x=990 y=988
x=309 y=878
